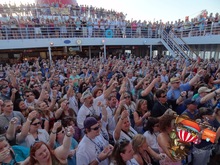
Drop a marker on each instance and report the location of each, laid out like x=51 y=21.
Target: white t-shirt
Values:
x=85 y=111
x=132 y=162
x=42 y=136
x=128 y=136
x=152 y=140
x=73 y=103
x=89 y=149
x=111 y=120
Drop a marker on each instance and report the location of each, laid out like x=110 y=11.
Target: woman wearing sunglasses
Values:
x=57 y=138
x=35 y=133
x=42 y=154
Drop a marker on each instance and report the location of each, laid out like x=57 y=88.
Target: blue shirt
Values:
x=74 y=144
x=174 y=94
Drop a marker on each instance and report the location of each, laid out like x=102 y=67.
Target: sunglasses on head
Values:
x=29 y=95
x=61 y=132
x=96 y=128
x=35 y=124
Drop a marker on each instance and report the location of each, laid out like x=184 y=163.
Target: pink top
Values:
x=167 y=160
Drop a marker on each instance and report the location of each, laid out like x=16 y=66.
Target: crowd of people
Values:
x=105 y=111
x=35 y=21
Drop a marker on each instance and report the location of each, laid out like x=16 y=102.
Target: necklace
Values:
x=99 y=145
x=9 y=117
x=91 y=110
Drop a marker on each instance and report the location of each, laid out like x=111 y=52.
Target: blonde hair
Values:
x=138 y=107
x=137 y=141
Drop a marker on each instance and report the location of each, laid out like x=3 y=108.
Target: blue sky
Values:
x=150 y=10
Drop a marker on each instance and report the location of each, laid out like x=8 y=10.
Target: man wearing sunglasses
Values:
x=29 y=98
x=161 y=104
x=93 y=149
x=176 y=87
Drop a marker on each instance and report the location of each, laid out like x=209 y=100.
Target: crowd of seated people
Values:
x=114 y=111
x=35 y=21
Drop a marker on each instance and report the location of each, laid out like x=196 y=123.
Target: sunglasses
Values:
x=29 y=95
x=61 y=132
x=4 y=86
x=163 y=96
x=127 y=97
x=96 y=128
x=35 y=124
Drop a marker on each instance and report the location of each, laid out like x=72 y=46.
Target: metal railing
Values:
x=175 y=48
x=64 y=31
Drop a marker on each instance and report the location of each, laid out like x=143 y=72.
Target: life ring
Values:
x=78 y=42
x=109 y=33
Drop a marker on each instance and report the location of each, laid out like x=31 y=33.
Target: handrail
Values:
x=28 y=31
x=173 y=45
x=189 y=48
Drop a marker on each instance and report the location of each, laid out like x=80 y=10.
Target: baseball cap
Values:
x=189 y=101
x=204 y=89
x=89 y=122
x=174 y=80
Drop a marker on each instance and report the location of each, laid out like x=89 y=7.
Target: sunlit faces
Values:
x=144 y=105
x=125 y=124
x=128 y=154
x=8 y=108
x=29 y=96
x=176 y=84
x=36 y=124
x=99 y=93
x=42 y=154
x=66 y=102
x=113 y=102
x=143 y=147
x=46 y=95
x=163 y=98
x=94 y=130
x=89 y=100
x=22 y=105
x=43 y=106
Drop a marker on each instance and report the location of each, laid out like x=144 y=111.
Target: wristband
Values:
x=68 y=134
x=29 y=120
x=53 y=132
x=98 y=160
x=122 y=118
x=198 y=75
